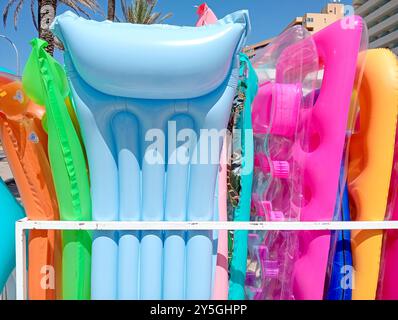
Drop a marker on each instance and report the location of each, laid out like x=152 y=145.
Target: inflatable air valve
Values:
x=45 y=82
x=123 y=168
x=10 y=212
x=25 y=144
x=371 y=162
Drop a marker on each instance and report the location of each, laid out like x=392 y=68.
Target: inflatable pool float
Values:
x=388 y=277
x=9 y=291
x=25 y=145
x=45 y=82
x=278 y=123
x=10 y=212
x=221 y=273
x=340 y=272
x=341 y=279
x=247 y=90
x=338 y=49
x=337 y=52
x=129 y=178
x=370 y=165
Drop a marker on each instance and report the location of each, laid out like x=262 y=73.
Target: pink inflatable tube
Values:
x=317 y=153
x=338 y=47
x=220 y=289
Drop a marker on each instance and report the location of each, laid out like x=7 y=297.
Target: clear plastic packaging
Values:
x=286 y=89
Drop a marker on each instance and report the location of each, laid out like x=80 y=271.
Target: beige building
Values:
x=381 y=17
x=313 y=22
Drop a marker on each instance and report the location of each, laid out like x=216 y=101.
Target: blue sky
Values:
x=269 y=17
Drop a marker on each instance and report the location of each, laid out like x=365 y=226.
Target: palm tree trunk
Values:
x=111 y=10
x=47 y=12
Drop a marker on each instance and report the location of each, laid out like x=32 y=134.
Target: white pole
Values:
x=22 y=225
x=20 y=260
x=209 y=225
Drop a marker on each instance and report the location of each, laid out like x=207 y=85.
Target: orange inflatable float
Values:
x=371 y=158
x=25 y=144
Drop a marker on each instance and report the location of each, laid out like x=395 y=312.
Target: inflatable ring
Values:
x=10 y=212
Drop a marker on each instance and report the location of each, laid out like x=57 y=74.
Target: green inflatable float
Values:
x=45 y=82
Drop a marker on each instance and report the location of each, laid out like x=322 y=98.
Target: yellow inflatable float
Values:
x=370 y=163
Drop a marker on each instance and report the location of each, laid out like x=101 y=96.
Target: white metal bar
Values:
x=207 y=225
x=25 y=224
x=20 y=259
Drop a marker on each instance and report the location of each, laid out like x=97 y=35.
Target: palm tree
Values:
x=141 y=12
x=111 y=10
x=46 y=13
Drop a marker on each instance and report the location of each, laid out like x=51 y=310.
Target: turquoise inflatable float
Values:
x=10 y=212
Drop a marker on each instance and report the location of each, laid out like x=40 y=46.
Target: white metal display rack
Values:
x=22 y=225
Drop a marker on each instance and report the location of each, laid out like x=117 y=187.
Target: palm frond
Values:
x=165 y=17
x=77 y=6
x=142 y=12
x=142 y=7
x=16 y=12
x=153 y=18
x=32 y=11
x=6 y=10
x=91 y=4
x=149 y=13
